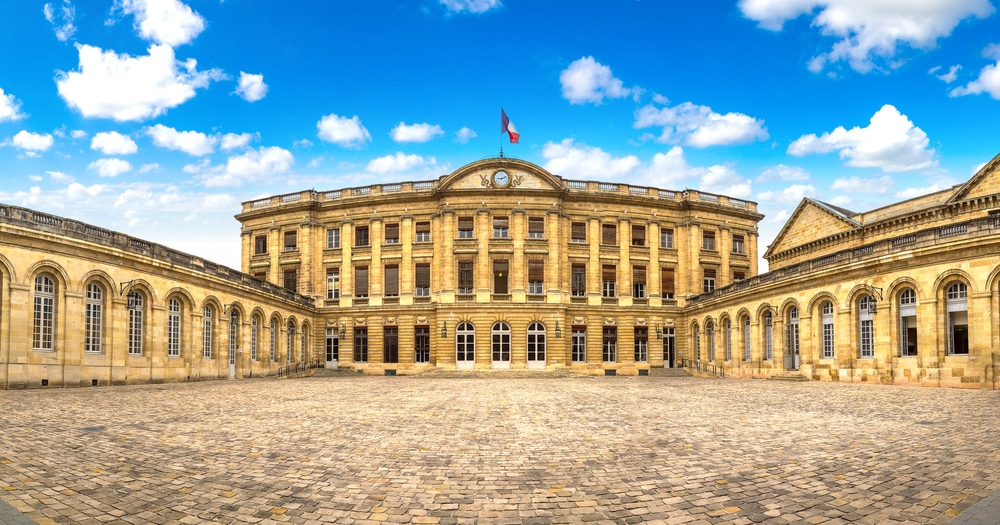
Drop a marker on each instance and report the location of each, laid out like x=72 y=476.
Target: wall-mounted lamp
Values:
x=558 y=330
x=133 y=296
x=659 y=331
x=444 y=329
x=876 y=295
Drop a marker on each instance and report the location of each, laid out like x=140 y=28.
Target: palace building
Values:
x=503 y=265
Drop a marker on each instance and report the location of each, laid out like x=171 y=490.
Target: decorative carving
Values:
x=640 y=321
x=360 y=321
x=610 y=321
x=389 y=320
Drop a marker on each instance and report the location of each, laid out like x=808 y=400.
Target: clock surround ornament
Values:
x=501 y=179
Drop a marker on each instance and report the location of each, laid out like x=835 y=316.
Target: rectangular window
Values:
x=135 y=325
x=423 y=232
x=609 y=345
x=174 y=329
x=867 y=339
x=260 y=275
x=579 y=280
x=536 y=277
x=738 y=244
x=500 y=276
x=739 y=276
x=422 y=276
x=746 y=339
x=639 y=282
x=609 y=234
x=536 y=227
x=641 y=344
x=422 y=344
x=361 y=236
x=709 y=280
x=390 y=344
x=392 y=233
x=273 y=342
x=332 y=345
x=578 y=232
x=361 y=282
x=206 y=349
x=608 y=278
x=828 y=339
x=708 y=240
x=260 y=245
x=501 y=227
x=43 y=330
x=465 y=278
x=579 y=344
x=638 y=235
x=392 y=280
x=465 y=228
x=361 y=345
x=290 y=280
x=728 y=335
x=667 y=283
x=333 y=238
x=290 y=241
x=94 y=319
x=666 y=238
x=254 y=329
x=333 y=283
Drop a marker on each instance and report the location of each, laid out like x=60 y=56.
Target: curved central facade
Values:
x=500 y=265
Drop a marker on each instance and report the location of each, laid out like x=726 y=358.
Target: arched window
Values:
x=304 y=342
x=234 y=331
x=746 y=338
x=827 y=320
x=289 y=355
x=206 y=350
x=254 y=337
x=792 y=339
x=174 y=328
x=94 y=322
x=536 y=342
x=908 y=323
x=501 y=342
x=728 y=327
x=957 y=308
x=274 y=341
x=697 y=343
x=465 y=344
x=710 y=335
x=43 y=327
x=136 y=314
x=866 y=329
x=768 y=336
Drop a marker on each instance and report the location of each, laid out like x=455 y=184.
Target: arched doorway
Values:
x=500 y=345
x=465 y=346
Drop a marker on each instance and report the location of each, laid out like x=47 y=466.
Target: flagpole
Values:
x=501 y=132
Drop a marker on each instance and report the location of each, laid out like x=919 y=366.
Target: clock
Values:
x=501 y=179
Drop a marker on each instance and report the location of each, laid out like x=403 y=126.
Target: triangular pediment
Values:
x=812 y=220
x=986 y=181
x=485 y=175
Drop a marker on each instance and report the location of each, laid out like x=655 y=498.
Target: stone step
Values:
x=788 y=376
x=669 y=372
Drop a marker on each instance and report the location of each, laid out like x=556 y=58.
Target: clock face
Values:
x=501 y=179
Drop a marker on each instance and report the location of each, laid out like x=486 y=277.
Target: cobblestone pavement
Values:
x=365 y=450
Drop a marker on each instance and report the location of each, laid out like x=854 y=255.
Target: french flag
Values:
x=506 y=126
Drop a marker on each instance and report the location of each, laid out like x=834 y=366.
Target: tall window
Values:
x=465 y=343
x=361 y=345
x=609 y=344
x=254 y=337
x=710 y=334
x=290 y=342
x=332 y=345
x=697 y=343
x=608 y=276
x=174 y=327
x=206 y=349
x=361 y=236
x=361 y=282
x=738 y=244
x=746 y=338
x=579 y=344
x=94 y=318
x=390 y=344
x=536 y=277
x=578 y=280
x=501 y=342
x=536 y=227
x=728 y=335
x=865 y=327
x=135 y=324
x=291 y=241
x=768 y=336
x=667 y=283
x=290 y=278
x=422 y=280
x=392 y=233
x=500 y=277
x=392 y=280
x=908 y=323
x=609 y=234
x=43 y=328
x=333 y=238
x=709 y=280
x=423 y=232
x=708 y=240
x=422 y=344
x=827 y=320
x=465 y=228
x=234 y=330
x=260 y=245
x=465 y=286
x=501 y=228
x=638 y=235
x=641 y=344
x=536 y=342
x=639 y=282
x=333 y=283
x=792 y=336
x=304 y=342
x=578 y=232
x=274 y=341
x=957 y=308
x=666 y=238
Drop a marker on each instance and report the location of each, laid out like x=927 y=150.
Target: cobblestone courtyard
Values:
x=502 y=450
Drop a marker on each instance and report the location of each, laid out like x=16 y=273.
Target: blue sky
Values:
x=157 y=118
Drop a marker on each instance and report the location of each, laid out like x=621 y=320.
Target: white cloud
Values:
x=397 y=163
x=233 y=141
x=789 y=195
x=79 y=192
x=59 y=176
x=113 y=143
x=123 y=87
x=168 y=22
x=251 y=87
x=78 y=134
x=303 y=143
x=190 y=142
x=110 y=167
x=948 y=77
x=197 y=167
x=251 y=166
x=61 y=18
x=841 y=200
x=910 y=193
x=415 y=132
x=464 y=135
x=671 y=170
x=220 y=201
x=343 y=131
x=29 y=141
x=890 y=142
x=152 y=166
x=783 y=172
x=35 y=178
x=859 y=185
x=699 y=126
x=569 y=160
x=869 y=32
x=587 y=80
x=988 y=80
x=471 y=6
x=10 y=108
